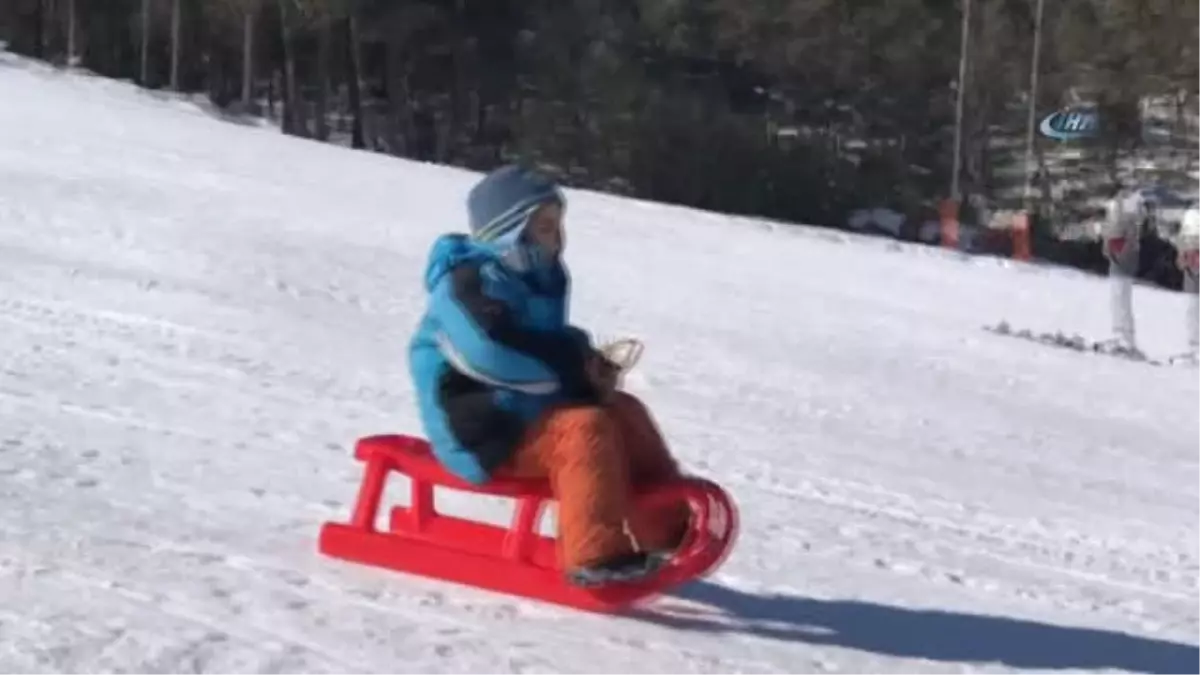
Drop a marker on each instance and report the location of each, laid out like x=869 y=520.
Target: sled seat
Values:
x=414 y=458
x=515 y=559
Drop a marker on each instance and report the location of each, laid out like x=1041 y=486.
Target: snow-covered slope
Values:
x=198 y=318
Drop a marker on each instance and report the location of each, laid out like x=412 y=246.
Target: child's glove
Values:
x=610 y=362
x=623 y=353
x=604 y=375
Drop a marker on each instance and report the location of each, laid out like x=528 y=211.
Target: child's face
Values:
x=545 y=229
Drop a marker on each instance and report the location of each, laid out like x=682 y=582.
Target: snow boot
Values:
x=622 y=569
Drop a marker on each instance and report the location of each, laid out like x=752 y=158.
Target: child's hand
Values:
x=624 y=352
x=603 y=374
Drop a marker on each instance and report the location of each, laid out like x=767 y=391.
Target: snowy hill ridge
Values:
x=197 y=319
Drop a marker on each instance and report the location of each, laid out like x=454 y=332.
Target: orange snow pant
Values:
x=594 y=456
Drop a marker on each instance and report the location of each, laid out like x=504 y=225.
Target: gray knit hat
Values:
x=499 y=206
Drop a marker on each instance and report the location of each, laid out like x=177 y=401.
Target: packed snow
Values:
x=199 y=317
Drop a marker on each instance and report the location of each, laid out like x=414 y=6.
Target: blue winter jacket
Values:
x=492 y=352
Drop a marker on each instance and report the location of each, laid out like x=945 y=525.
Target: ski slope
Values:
x=197 y=319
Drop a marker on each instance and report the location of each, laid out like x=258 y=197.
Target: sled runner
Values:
x=516 y=560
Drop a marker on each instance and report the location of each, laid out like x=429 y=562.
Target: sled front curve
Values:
x=514 y=560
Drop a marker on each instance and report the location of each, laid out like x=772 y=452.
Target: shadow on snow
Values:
x=924 y=634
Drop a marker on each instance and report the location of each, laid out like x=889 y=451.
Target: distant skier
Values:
x=1127 y=217
x=1188 y=244
x=505 y=384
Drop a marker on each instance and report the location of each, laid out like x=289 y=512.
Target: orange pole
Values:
x=948 y=210
x=1020 y=236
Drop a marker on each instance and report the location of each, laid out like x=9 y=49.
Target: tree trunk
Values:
x=354 y=80
x=176 y=29
x=39 y=32
x=323 y=57
x=247 y=58
x=145 y=55
x=458 y=90
x=1186 y=131
x=72 y=55
x=400 y=108
x=292 y=121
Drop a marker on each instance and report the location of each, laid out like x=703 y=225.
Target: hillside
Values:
x=199 y=317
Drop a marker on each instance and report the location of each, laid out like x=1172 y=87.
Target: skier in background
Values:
x=1188 y=244
x=1127 y=216
x=506 y=385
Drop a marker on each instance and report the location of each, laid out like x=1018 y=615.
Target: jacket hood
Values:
x=450 y=250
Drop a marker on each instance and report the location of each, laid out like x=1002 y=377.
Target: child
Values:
x=504 y=383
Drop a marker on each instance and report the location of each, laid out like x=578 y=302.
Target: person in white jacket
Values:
x=1188 y=244
x=1126 y=217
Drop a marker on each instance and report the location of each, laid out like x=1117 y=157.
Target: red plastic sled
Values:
x=514 y=560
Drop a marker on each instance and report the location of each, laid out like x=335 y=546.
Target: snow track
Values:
x=198 y=318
